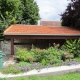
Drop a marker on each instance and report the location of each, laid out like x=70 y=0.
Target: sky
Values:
x=50 y=10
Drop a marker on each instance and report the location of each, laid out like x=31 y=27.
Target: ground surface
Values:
x=71 y=76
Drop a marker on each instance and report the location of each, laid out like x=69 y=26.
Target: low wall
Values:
x=5 y=46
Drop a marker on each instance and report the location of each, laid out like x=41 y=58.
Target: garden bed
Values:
x=52 y=60
x=45 y=71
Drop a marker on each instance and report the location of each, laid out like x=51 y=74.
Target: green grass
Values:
x=71 y=76
x=77 y=59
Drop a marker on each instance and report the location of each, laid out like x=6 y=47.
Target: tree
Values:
x=10 y=13
x=17 y=12
x=71 y=16
x=30 y=12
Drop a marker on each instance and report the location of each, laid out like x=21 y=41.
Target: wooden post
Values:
x=12 y=49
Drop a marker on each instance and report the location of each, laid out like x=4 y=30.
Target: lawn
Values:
x=70 y=76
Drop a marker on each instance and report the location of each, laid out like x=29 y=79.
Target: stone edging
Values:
x=45 y=71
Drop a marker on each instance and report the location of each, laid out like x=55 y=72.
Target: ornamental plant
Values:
x=23 y=55
x=46 y=56
x=73 y=47
x=55 y=54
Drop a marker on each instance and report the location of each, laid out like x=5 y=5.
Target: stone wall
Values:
x=5 y=46
x=0 y=45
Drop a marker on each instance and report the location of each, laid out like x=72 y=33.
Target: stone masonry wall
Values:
x=5 y=47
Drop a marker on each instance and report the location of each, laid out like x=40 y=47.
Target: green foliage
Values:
x=22 y=63
x=71 y=16
x=1 y=33
x=72 y=46
x=47 y=56
x=77 y=59
x=23 y=55
x=30 y=11
x=51 y=55
x=17 y=68
x=54 y=55
x=39 y=54
x=67 y=56
x=17 y=12
x=10 y=69
x=9 y=14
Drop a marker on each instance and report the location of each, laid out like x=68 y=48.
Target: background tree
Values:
x=17 y=12
x=10 y=13
x=30 y=11
x=71 y=16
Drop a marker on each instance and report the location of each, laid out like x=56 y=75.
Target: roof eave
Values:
x=43 y=34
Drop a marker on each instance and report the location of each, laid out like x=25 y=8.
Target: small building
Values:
x=18 y=31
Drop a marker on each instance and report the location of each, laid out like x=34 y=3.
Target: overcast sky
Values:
x=50 y=9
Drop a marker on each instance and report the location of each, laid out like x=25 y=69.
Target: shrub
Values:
x=73 y=47
x=23 y=55
x=47 y=56
x=40 y=55
x=67 y=56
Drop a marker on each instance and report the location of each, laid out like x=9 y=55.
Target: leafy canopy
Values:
x=30 y=11
x=17 y=12
x=71 y=16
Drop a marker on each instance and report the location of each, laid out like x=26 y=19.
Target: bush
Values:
x=51 y=55
x=67 y=56
x=73 y=47
x=23 y=55
x=47 y=56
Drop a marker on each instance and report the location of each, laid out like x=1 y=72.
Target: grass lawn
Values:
x=71 y=76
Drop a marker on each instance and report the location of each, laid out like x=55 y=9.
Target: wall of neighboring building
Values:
x=50 y=23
